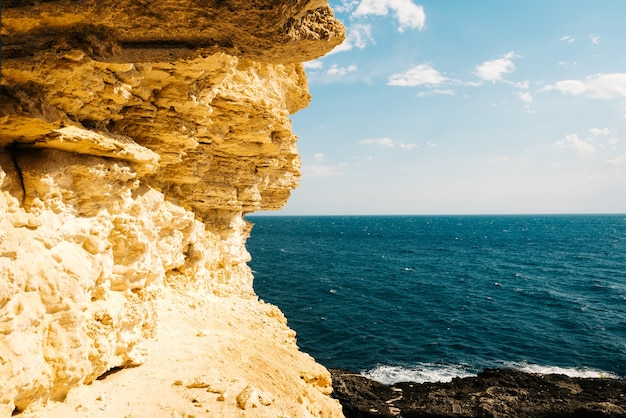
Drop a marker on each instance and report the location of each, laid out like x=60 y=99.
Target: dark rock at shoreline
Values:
x=494 y=393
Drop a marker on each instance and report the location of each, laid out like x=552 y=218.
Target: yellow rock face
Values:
x=134 y=137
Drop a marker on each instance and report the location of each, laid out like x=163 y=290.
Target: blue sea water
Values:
x=428 y=298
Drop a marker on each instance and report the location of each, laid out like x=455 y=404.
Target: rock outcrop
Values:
x=134 y=137
x=494 y=393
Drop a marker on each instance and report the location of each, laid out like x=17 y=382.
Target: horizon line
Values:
x=277 y=213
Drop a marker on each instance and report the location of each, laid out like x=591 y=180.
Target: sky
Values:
x=467 y=107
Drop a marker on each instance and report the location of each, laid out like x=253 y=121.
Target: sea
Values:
x=430 y=298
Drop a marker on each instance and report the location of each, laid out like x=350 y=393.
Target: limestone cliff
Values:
x=134 y=137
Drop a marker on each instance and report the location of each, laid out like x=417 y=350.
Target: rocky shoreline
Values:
x=493 y=393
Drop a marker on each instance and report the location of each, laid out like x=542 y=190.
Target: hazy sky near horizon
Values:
x=467 y=107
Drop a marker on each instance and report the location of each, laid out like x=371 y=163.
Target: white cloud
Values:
x=618 y=161
x=524 y=85
x=526 y=97
x=408 y=14
x=346 y=6
x=408 y=146
x=314 y=65
x=572 y=141
x=358 y=36
x=388 y=143
x=567 y=38
x=493 y=70
x=337 y=71
x=381 y=142
x=333 y=74
x=573 y=87
x=436 y=92
x=418 y=75
x=598 y=86
x=600 y=131
x=594 y=39
x=604 y=134
x=607 y=86
x=316 y=167
x=568 y=64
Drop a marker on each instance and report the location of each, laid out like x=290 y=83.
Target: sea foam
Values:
x=420 y=373
x=568 y=371
x=444 y=373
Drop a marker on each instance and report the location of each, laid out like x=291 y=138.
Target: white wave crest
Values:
x=420 y=373
x=438 y=372
x=567 y=371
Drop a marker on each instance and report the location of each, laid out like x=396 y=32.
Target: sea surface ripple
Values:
x=428 y=298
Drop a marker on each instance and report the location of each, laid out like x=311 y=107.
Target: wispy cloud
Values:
x=436 y=92
x=606 y=136
x=572 y=141
x=567 y=38
x=427 y=76
x=495 y=69
x=598 y=86
x=618 y=161
x=335 y=70
x=524 y=85
x=333 y=74
x=314 y=65
x=416 y=76
x=525 y=97
x=594 y=39
x=317 y=167
x=601 y=131
x=573 y=87
x=388 y=143
x=601 y=140
x=346 y=6
x=358 y=35
x=568 y=64
x=408 y=14
x=381 y=142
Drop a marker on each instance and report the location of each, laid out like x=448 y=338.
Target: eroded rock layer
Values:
x=134 y=137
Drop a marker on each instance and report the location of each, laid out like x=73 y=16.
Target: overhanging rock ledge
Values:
x=134 y=137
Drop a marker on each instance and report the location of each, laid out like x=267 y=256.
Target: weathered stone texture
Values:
x=494 y=393
x=134 y=136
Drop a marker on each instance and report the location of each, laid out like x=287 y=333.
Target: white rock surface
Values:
x=131 y=147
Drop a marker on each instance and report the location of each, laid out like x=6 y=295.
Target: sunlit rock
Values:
x=134 y=137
